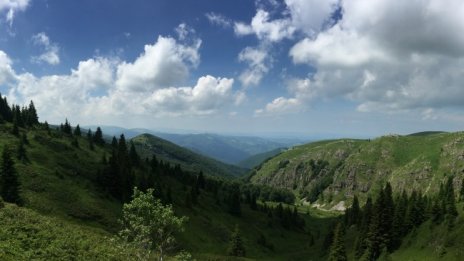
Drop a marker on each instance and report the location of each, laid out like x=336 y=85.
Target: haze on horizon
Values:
x=344 y=67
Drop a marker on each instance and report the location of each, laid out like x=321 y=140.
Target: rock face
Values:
x=331 y=172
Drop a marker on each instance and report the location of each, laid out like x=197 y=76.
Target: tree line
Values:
x=382 y=224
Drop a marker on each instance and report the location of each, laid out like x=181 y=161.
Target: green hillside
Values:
x=334 y=170
x=70 y=210
x=257 y=159
x=149 y=145
x=73 y=187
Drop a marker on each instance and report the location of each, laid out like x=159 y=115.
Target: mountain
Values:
x=228 y=149
x=69 y=213
x=148 y=145
x=258 y=159
x=332 y=171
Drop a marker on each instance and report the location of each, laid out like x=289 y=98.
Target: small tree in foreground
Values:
x=337 y=249
x=149 y=225
x=9 y=183
x=236 y=247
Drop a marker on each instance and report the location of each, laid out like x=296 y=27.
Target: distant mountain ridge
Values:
x=148 y=145
x=228 y=149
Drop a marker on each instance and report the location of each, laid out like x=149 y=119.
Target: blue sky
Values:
x=308 y=67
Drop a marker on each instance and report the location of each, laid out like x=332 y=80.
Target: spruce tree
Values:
x=21 y=153
x=450 y=200
x=337 y=249
x=9 y=183
x=236 y=246
x=77 y=131
x=134 y=157
x=15 y=130
x=461 y=191
x=32 y=118
x=98 y=137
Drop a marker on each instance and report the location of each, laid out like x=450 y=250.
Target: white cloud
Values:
x=183 y=31
x=309 y=16
x=301 y=90
x=104 y=88
x=164 y=63
x=266 y=29
x=12 y=6
x=209 y=94
x=279 y=106
x=258 y=65
x=390 y=55
x=218 y=19
x=51 y=50
x=6 y=72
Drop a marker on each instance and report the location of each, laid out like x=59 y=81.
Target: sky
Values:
x=353 y=68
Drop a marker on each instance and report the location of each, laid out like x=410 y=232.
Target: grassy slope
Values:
x=65 y=215
x=409 y=162
x=148 y=145
x=27 y=235
x=257 y=159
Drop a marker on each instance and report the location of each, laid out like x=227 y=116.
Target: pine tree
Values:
x=201 y=180
x=47 y=128
x=398 y=225
x=77 y=131
x=450 y=200
x=98 y=137
x=134 y=157
x=337 y=249
x=234 y=201
x=461 y=192
x=67 y=129
x=236 y=247
x=21 y=153
x=15 y=130
x=9 y=183
x=32 y=118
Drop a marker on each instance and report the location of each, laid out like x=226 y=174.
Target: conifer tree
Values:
x=77 y=131
x=32 y=118
x=67 y=128
x=337 y=249
x=461 y=192
x=236 y=246
x=9 y=183
x=201 y=180
x=234 y=201
x=398 y=225
x=98 y=137
x=134 y=157
x=21 y=153
x=15 y=130
x=450 y=200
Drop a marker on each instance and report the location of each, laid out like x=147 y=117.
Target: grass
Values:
x=67 y=217
x=420 y=161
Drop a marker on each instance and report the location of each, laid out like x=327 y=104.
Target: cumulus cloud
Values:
x=310 y=16
x=279 y=106
x=106 y=87
x=11 y=6
x=389 y=56
x=258 y=65
x=266 y=29
x=51 y=50
x=164 y=63
x=301 y=90
x=6 y=72
x=303 y=16
x=218 y=19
